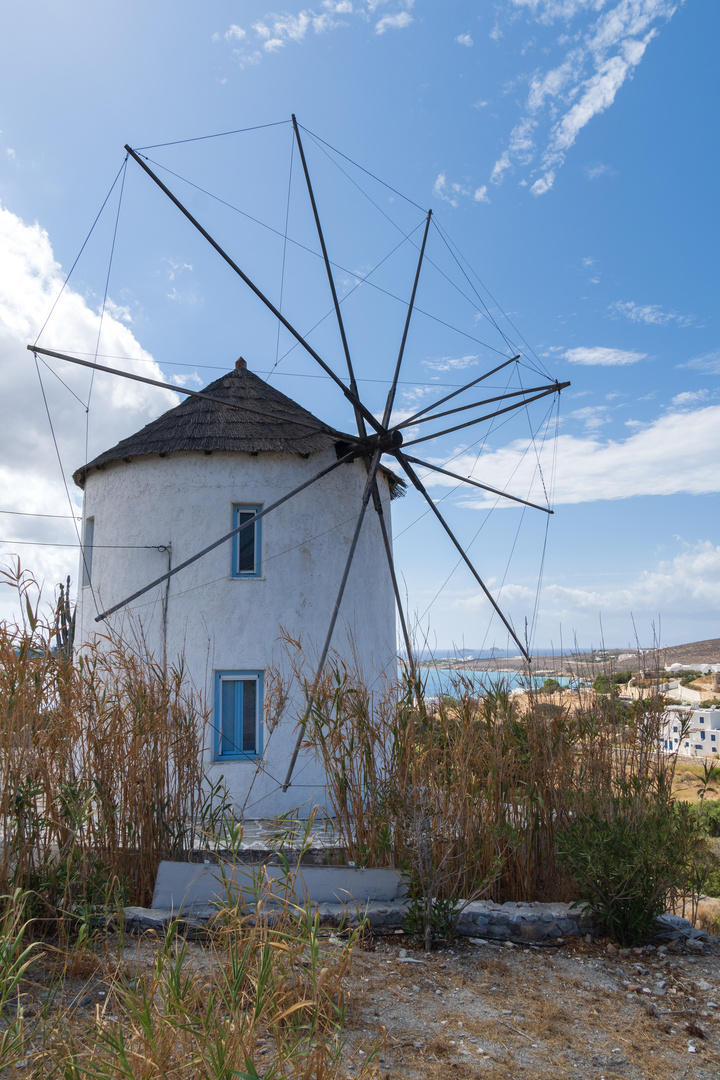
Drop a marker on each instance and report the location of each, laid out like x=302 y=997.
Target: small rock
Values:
x=418 y=1045
x=624 y=952
x=610 y=949
x=633 y=988
x=477 y=941
x=692 y=1049
x=694 y=945
x=589 y=939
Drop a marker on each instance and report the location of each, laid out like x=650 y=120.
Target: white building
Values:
x=691 y=732
x=183 y=481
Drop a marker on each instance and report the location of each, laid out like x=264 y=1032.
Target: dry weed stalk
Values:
x=100 y=768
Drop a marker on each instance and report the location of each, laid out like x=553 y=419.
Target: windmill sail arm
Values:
x=477 y=484
x=455 y=393
x=420 y=487
x=478 y=404
x=490 y=416
x=354 y=401
x=191 y=393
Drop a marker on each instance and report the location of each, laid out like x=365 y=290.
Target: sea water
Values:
x=440 y=680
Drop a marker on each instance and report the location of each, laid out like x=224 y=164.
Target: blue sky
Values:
x=568 y=148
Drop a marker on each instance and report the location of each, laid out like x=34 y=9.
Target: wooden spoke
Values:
x=478 y=404
x=477 y=484
x=404 y=461
x=411 y=419
x=393 y=388
x=354 y=401
x=328 y=269
x=369 y=483
x=489 y=416
x=191 y=393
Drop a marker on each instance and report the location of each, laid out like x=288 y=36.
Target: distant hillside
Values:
x=697 y=652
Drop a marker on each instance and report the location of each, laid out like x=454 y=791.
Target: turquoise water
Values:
x=440 y=680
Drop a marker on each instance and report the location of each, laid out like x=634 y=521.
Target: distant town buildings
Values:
x=691 y=732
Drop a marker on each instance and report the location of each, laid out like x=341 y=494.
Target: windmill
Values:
x=381 y=446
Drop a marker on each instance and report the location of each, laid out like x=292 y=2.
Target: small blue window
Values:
x=238 y=711
x=246 y=554
x=87 y=550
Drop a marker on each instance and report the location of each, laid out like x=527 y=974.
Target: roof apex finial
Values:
x=240 y=364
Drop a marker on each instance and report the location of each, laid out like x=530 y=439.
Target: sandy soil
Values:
x=544 y=1012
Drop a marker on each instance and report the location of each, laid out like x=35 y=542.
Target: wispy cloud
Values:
x=600 y=55
x=451 y=363
x=710 y=363
x=465 y=39
x=274 y=31
x=650 y=314
x=689 y=398
x=453 y=192
x=393 y=22
x=604 y=357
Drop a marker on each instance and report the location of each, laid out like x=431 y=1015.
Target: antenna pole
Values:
x=356 y=404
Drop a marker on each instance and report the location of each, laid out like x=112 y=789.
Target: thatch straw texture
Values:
x=201 y=425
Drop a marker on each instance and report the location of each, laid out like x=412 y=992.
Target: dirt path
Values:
x=538 y=1013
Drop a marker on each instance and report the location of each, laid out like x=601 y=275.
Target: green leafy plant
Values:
x=628 y=857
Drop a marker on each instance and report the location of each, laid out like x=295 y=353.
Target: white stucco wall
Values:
x=221 y=623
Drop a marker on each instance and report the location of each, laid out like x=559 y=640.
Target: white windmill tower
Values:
x=234 y=507
x=214 y=463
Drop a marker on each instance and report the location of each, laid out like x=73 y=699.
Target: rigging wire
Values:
x=31 y=513
x=102 y=309
x=65 y=483
x=84 y=245
x=217 y=135
x=284 y=253
x=337 y=266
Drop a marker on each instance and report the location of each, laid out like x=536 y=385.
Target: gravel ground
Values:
x=575 y=1010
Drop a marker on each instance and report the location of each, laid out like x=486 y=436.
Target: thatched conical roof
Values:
x=202 y=425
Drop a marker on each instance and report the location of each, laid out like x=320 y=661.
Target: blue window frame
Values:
x=246 y=549
x=87 y=550
x=238 y=713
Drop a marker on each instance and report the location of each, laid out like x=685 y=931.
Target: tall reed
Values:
x=472 y=790
x=100 y=768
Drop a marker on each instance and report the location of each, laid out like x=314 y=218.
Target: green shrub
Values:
x=708 y=816
x=628 y=857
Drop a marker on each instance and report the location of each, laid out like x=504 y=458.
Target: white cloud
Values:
x=594 y=172
x=651 y=314
x=687 y=585
x=272 y=32
x=453 y=192
x=393 y=22
x=602 y=356
x=465 y=39
x=10 y=153
x=710 y=363
x=591 y=416
x=675 y=454
x=565 y=97
x=30 y=478
x=451 y=363
x=690 y=398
